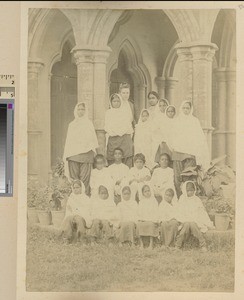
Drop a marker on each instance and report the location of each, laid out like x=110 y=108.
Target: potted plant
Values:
x=44 y=197
x=223 y=212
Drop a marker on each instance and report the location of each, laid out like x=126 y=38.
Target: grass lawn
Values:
x=55 y=266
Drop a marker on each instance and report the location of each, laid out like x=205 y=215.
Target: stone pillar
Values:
x=202 y=57
x=34 y=132
x=186 y=72
x=160 y=82
x=220 y=112
x=142 y=96
x=169 y=89
x=91 y=82
x=231 y=117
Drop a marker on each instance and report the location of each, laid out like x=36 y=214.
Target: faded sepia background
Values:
x=8 y=207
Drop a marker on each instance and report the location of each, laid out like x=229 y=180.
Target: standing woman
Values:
x=119 y=130
x=80 y=146
x=189 y=144
x=153 y=106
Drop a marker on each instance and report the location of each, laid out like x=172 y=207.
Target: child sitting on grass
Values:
x=193 y=217
x=127 y=216
x=100 y=175
x=118 y=172
x=148 y=215
x=168 y=218
x=103 y=215
x=77 y=216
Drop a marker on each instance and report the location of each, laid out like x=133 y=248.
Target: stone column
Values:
x=202 y=56
x=186 y=72
x=160 y=82
x=231 y=117
x=220 y=112
x=34 y=132
x=169 y=89
x=141 y=92
x=91 y=82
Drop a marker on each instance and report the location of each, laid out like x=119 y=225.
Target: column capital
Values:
x=35 y=65
x=160 y=81
x=196 y=51
x=90 y=54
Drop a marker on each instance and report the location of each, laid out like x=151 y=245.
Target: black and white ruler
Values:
x=7 y=98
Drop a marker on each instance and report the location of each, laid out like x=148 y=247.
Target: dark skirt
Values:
x=148 y=228
x=80 y=167
x=124 y=142
x=126 y=232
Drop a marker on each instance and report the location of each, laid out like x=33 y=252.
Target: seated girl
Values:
x=168 y=218
x=103 y=215
x=143 y=138
x=147 y=215
x=192 y=215
x=119 y=130
x=139 y=173
x=77 y=216
x=100 y=175
x=118 y=172
x=162 y=177
x=127 y=216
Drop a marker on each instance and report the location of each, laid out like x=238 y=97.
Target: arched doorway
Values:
x=63 y=101
x=121 y=74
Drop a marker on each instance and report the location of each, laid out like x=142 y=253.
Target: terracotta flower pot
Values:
x=57 y=217
x=45 y=217
x=32 y=216
x=222 y=222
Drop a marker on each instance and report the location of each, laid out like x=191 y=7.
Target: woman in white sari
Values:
x=80 y=146
x=189 y=143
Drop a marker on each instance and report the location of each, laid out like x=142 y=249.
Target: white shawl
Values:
x=191 y=209
x=81 y=137
x=118 y=121
x=189 y=138
x=148 y=207
x=167 y=211
x=79 y=204
x=128 y=210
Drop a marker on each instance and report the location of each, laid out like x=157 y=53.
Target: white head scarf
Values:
x=192 y=210
x=128 y=209
x=81 y=136
x=148 y=207
x=79 y=203
x=118 y=121
x=189 y=137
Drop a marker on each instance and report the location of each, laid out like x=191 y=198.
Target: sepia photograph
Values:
x=131 y=127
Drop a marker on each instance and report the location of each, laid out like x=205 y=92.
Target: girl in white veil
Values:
x=80 y=146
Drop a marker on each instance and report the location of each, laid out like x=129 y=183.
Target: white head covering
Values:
x=118 y=121
x=189 y=137
x=128 y=209
x=79 y=203
x=148 y=207
x=81 y=136
x=192 y=210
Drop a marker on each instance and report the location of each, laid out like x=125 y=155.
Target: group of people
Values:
x=136 y=189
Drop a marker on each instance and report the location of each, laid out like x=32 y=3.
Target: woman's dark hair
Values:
x=164 y=100
x=189 y=102
x=99 y=156
x=154 y=94
x=139 y=156
x=118 y=149
x=146 y=111
x=126 y=188
x=144 y=186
